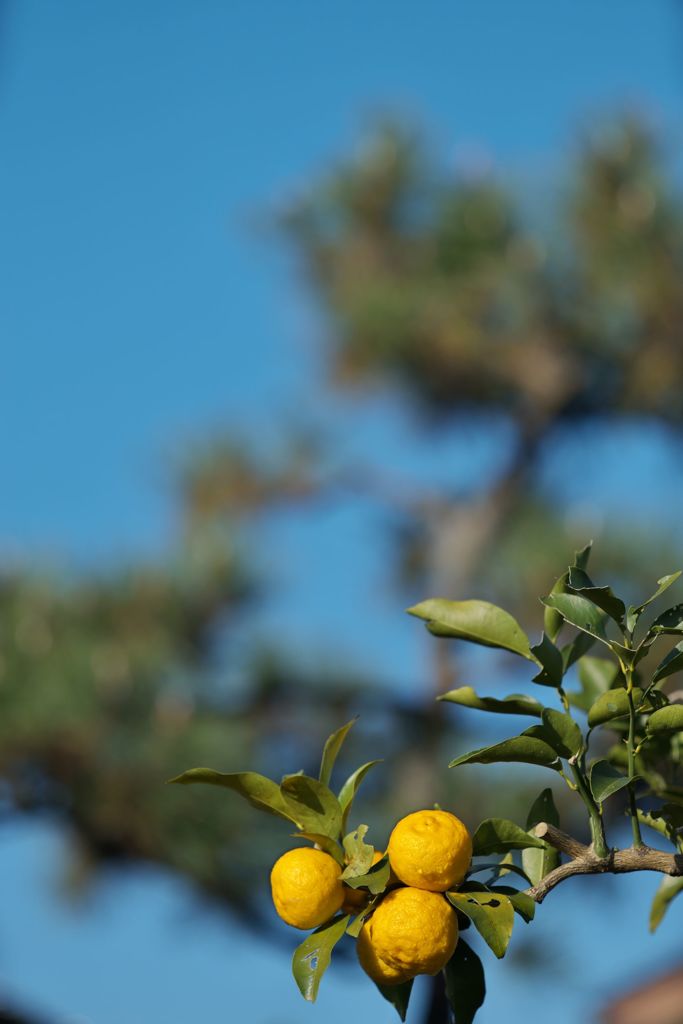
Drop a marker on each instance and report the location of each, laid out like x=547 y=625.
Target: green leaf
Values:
x=477 y=621
x=605 y=780
x=312 y=958
x=359 y=854
x=528 y=748
x=540 y=861
x=668 y=719
x=499 y=868
x=634 y=613
x=668 y=889
x=350 y=788
x=491 y=914
x=375 y=879
x=673 y=662
x=669 y=621
x=515 y=704
x=582 y=556
x=596 y=676
x=562 y=732
x=579 y=582
x=398 y=996
x=521 y=903
x=612 y=704
x=260 y=792
x=580 y=612
x=552 y=620
x=465 y=985
x=498 y=835
x=324 y=842
x=575 y=650
x=312 y=804
x=332 y=747
x=543 y=809
x=550 y=657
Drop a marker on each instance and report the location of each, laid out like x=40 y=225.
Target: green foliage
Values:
x=465 y=984
x=540 y=861
x=496 y=835
x=515 y=704
x=491 y=913
x=312 y=958
x=476 y=621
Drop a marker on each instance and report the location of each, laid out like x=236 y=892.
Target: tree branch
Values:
x=584 y=861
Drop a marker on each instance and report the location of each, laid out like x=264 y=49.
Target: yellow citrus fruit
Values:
x=412 y=931
x=306 y=886
x=373 y=965
x=430 y=850
x=356 y=899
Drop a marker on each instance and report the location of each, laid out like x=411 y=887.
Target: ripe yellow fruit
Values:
x=411 y=932
x=430 y=850
x=356 y=899
x=306 y=886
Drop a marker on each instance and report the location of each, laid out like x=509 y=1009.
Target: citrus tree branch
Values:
x=584 y=861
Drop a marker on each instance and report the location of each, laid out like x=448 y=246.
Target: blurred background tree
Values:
x=474 y=306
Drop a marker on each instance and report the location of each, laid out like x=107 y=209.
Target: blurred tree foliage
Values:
x=444 y=286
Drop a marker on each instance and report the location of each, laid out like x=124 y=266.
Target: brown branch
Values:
x=584 y=861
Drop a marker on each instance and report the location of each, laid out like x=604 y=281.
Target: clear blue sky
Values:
x=139 y=138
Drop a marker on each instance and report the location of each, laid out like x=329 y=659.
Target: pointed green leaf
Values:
x=491 y=914
x=552 y=620
x=465 y=985
x=332 y=747
x=550 y=657
x=669 y=621
x=527 y=749
x=673 y=662
x=324 y=842
x=582 y=556
x=515 y=704
x=665 y=582
x=260 y=792
x=580 y=612
x=540 y=861
x=580 y=583
x=519 y=749
x=477 y=621
x=398 y=996
x=498 y=835
x=561 y=732
x=605 y=780
x=359 y=854
x=350 y=788
x=312 y=804
x=668 y=889
x=667 y=719
x=312 y=958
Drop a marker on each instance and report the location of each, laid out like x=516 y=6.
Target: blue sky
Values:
x=139 y=309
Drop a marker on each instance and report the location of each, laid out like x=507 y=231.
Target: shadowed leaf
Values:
x=465 y=984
